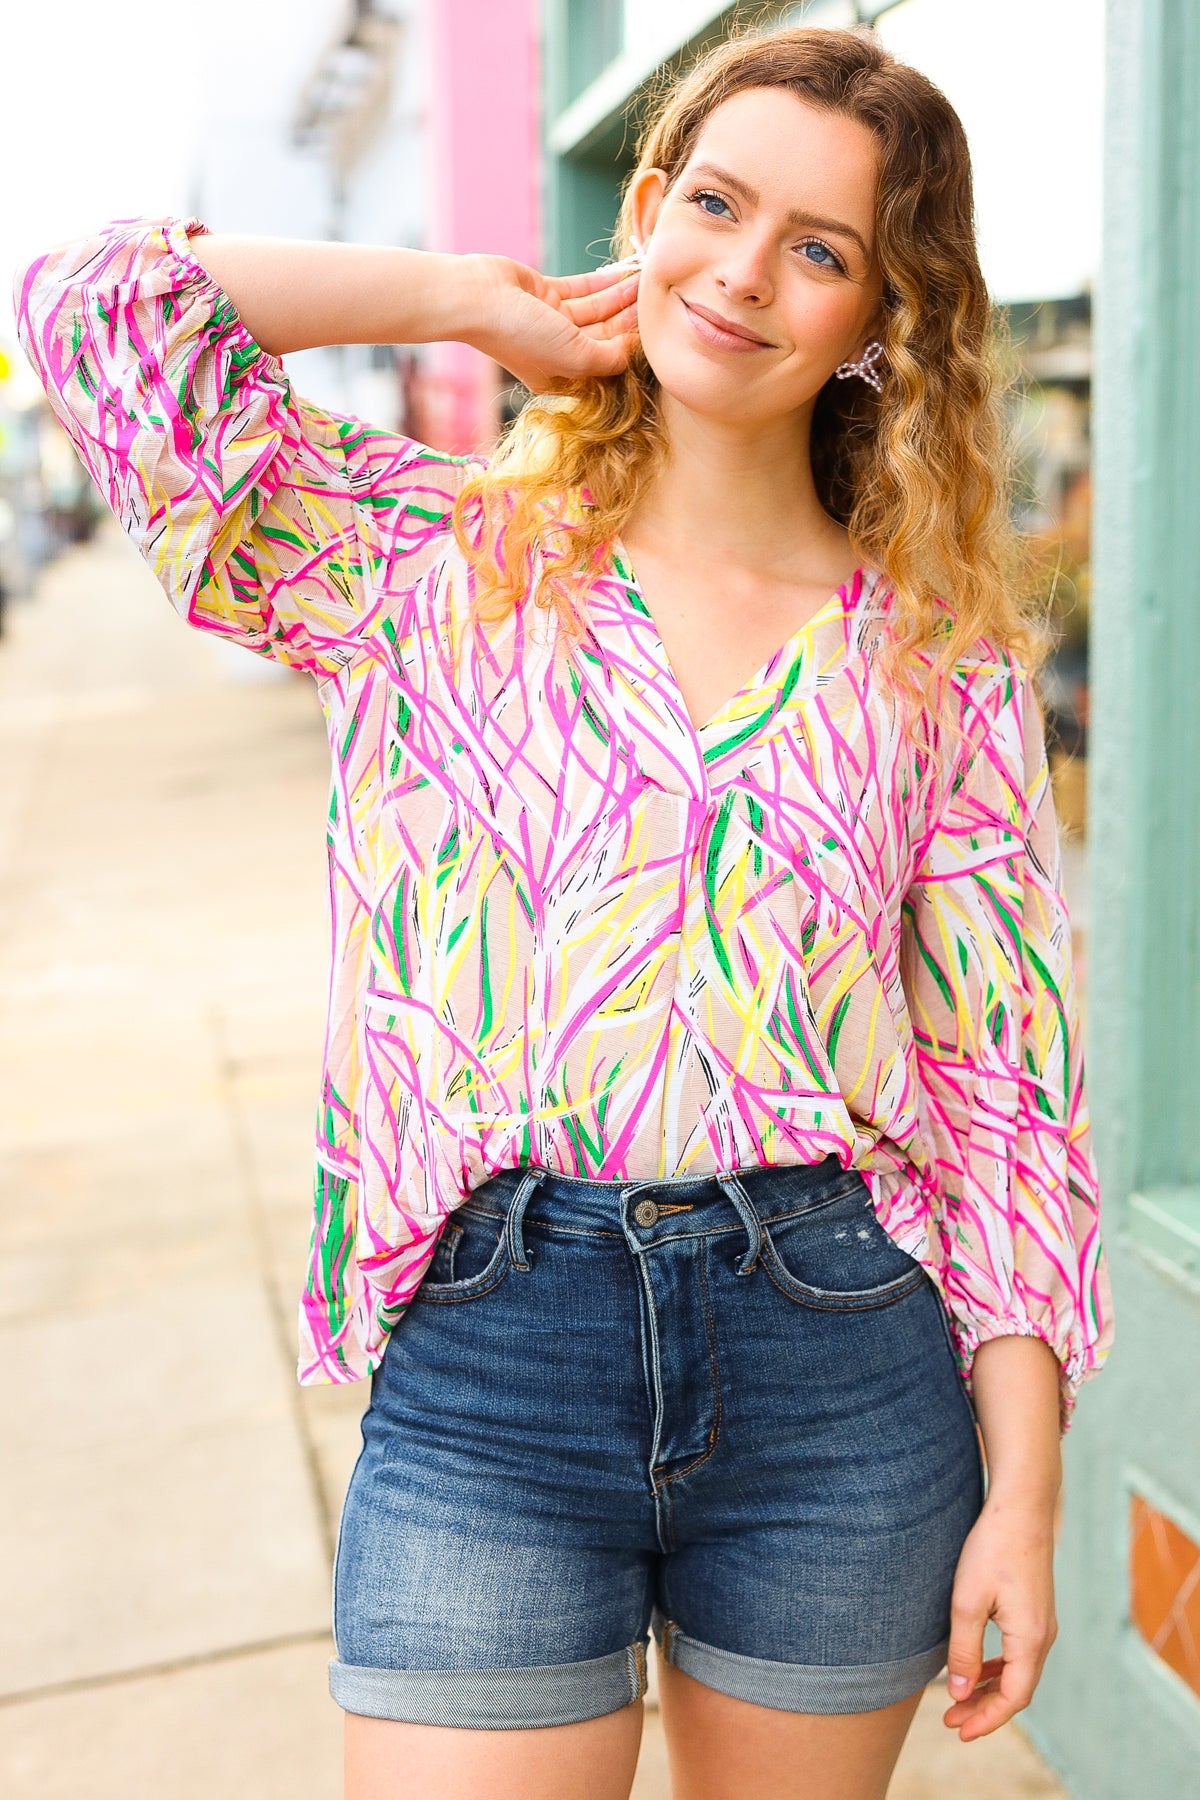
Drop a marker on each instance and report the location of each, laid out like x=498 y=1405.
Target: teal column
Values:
x=1113 y=1718
x=582 y=187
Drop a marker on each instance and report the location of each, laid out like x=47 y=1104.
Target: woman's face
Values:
x=769 y=228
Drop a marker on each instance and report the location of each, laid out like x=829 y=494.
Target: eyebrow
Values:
x=802 y=219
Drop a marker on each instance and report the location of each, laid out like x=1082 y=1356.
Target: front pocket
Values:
x=837 y=1256
x=471 y=1258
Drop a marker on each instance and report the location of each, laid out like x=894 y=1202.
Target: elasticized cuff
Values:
x=1075 y=1365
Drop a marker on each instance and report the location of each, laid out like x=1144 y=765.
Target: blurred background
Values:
x=170 y=1496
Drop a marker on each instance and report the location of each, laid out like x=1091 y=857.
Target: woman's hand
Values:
x=1005 y=1573
x=544 y=328
x=1006 y=1568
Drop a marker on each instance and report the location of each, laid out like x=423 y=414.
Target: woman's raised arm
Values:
x=292 y=294
x=266 y=518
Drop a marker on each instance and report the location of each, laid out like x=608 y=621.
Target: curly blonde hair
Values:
x=920 y=474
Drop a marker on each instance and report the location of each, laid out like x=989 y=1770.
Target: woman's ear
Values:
x=646 y=198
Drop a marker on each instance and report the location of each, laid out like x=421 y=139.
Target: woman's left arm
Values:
x=989 y=976
x=1006 y=1569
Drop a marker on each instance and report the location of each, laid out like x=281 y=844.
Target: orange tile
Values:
x=1164 y=1572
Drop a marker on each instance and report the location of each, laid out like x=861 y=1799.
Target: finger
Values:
x=989 y=1679
x=604 y=349
x=1019 y=1677
x=988 y=1671
x=571 y=287
x=620 y=325
x=987 y=1713
x=607 y=355
x=964 y=1658
x=590 y=309
x=611 y=356
x=993 y=1704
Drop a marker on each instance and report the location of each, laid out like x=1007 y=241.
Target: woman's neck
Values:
x=740 y=497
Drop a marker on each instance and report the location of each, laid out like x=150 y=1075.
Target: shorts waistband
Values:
x=650 y=1211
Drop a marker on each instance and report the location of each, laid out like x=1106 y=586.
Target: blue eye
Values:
x=704 y=194
x=835 y=261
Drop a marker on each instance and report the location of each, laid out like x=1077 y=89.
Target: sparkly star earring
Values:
x=865 y=366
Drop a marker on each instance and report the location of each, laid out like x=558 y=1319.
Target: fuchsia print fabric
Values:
x=568 y=927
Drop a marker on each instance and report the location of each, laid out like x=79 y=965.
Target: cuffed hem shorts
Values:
x=722 y=1409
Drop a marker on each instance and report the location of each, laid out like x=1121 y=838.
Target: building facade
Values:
x=407 y=122
x=1118 y=1710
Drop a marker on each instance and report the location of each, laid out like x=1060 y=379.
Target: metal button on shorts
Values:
x=645 y=1212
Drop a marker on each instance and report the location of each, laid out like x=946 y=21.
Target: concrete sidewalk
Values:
x=168 y=1494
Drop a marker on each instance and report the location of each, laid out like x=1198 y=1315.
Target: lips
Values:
x=721 y=327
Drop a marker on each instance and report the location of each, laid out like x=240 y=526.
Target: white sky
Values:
x=1027 y=79
x=103 y=108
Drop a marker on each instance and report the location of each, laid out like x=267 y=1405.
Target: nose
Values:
x=744 y=273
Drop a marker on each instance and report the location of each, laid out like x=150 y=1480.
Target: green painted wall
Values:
x=1115 y=1722
x=583 y=193
x=593 y=33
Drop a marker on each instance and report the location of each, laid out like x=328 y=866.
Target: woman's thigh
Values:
x=720 y=1748
x=494 y=1573
x=592 y=1760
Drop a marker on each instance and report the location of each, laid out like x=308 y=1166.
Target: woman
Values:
x=703 y=1154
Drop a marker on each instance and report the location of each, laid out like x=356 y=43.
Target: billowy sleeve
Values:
x=265 y=518
x=991 y=988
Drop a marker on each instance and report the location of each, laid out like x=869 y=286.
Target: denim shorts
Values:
x=722 y=1409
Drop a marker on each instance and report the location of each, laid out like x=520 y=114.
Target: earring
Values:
x=865 y=366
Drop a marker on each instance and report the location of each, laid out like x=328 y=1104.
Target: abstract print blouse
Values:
x=570 y=928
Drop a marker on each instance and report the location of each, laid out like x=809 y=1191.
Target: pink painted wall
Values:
x=484 y=145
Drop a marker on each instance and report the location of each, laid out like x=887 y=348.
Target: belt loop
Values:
x=516 y=1213
x=734 y=1190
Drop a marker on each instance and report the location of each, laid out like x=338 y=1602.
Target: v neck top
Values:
x=568 y=927
x=768 y=676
